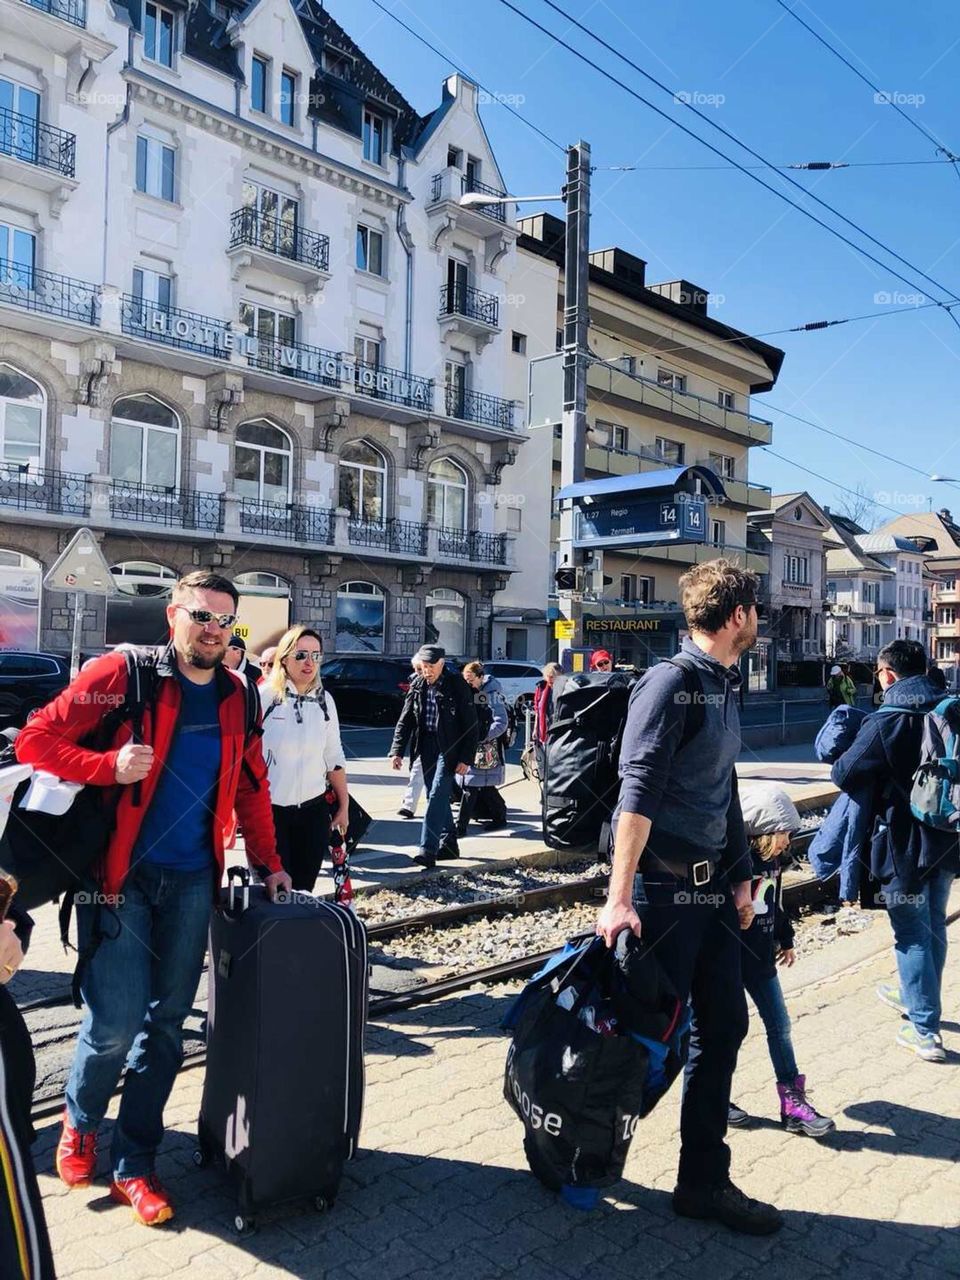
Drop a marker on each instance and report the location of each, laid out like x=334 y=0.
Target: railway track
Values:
x=805 y=891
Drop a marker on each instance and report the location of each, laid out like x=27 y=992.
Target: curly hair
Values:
x=710 y=593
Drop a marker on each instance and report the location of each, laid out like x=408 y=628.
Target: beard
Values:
x=204 y=660
x=746 y=637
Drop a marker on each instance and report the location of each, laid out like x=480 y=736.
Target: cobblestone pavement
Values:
x=440 y=1188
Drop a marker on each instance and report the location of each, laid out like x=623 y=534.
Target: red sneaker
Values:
x=76 y=1155
x=148 y=1200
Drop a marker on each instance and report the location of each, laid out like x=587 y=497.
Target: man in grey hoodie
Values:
x=679 y=820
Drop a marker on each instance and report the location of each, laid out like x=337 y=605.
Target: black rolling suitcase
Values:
x=283 y=1094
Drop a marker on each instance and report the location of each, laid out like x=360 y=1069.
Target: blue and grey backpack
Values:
x=935 y=789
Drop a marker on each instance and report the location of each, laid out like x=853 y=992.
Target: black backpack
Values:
x=53 y=855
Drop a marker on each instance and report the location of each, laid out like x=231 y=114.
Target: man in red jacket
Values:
x=175 y=792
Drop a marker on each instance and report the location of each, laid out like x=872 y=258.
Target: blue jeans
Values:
x=919 y=922
x=696 y=937
x=767 y=995
x=438 y=779
x=138 y=987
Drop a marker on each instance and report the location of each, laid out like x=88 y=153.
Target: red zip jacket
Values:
x=51 y=741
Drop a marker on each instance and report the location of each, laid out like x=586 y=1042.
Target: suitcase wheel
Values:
x=322 y=1203
x=244 y=1224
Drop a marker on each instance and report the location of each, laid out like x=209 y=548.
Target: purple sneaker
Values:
x=796 y=1113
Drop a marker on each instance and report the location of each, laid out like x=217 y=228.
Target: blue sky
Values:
x=891 y=382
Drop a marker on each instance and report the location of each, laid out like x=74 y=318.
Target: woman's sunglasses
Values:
x=305 y=655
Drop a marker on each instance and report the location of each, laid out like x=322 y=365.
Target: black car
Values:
x=366 y=686
x=28 y=681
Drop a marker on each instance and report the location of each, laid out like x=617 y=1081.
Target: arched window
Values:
x=138 y=615
x=264 y=462
x=447 y=494
x=447 y=620
x=363 y=482
x=22 y=405
x=19 y=600
x=361 y=609
x=144 y=442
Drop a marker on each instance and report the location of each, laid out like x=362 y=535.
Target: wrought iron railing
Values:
x=340 y=369
x=159 y=504
x=406 y=536
x=72 y=11
x=35 y=290
x=465 y=300
x=249 y=227
x=172 y=326
x=287 y=520
x=474 y=406
x=44 y=145
x=298 y=360
x=498 y=212
x=383 y=383
x=30 y=488
x=465 y=544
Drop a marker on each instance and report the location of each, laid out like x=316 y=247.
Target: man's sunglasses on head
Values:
x=202 y=616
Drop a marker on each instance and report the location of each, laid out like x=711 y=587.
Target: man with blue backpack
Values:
x=906 y=757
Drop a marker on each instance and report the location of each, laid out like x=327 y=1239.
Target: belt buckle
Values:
x=701 y=873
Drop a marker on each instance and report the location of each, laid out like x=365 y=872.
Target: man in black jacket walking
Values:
x=439 y=723
x=913 y=866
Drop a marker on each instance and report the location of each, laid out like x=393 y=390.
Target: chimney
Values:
x=944 y=514
x=684 y=294
x=624 y=267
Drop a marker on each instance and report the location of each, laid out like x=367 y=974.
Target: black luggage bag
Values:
x=580 y=780
x=283 y=1094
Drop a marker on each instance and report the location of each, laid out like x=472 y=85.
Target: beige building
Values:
x=942 y=573
x=670 y=387
x=795 y=530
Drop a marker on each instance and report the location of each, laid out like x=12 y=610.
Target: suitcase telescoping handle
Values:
x=237 y=901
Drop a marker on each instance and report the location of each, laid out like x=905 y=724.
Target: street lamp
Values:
x=576 y=283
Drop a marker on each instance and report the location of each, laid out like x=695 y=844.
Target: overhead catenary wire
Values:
x=446 y=58
x=842 y=488
x=858 y=248
x=881 y=95
x=811 y=165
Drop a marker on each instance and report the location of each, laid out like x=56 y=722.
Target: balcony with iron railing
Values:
x=309 y=251
x=43 y=146
x=166 y=505
x=30 y=488
x=173 y=326
x=450 y=184
x=290 y=521
x=72 y=11
x=468 y=544
x=406 y=537
x=475 y=406
x=31 y=289
x=469 y=309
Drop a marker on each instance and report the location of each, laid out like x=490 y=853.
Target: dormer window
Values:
x=374 y=133
x=158 y=34
x=258 y=84
x=337 y=64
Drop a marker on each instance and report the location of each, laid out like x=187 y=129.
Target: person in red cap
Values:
x=601 y=660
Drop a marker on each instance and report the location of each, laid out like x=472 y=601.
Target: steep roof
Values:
x=928 y=524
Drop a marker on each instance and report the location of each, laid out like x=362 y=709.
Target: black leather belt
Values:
x=699 y=873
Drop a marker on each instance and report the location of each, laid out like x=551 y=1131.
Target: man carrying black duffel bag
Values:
x=679 y=820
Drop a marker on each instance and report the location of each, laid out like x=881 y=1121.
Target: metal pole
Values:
x=576 y=323
x=783 y=722
x=79 y=602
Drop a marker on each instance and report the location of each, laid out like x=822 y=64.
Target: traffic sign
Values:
x=564 y=629
x=81 y=567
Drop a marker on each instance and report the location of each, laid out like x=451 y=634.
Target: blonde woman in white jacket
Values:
x=304 y=755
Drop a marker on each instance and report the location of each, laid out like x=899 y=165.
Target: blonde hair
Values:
x=766 y=845
x=473 y=668
x=551 y=669
x=288 y=643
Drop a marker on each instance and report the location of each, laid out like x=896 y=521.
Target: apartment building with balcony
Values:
x=670 y=386
x=245 y=321
x=875 y=589
x=942 y=572
x=795 y=529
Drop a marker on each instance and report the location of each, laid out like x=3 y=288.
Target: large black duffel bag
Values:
x=580 y=782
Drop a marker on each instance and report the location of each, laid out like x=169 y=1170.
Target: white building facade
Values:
x=876 y=590
x=244 y=321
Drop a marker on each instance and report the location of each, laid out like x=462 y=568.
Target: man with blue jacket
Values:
x=915 y=865
x=679 y=820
